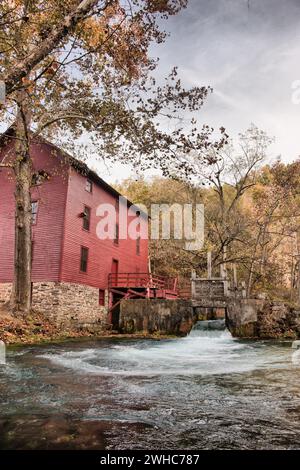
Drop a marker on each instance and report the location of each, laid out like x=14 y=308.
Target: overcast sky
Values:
x=250 y=56
x=249 y=52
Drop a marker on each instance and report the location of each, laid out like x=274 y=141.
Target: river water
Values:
x=205 y=391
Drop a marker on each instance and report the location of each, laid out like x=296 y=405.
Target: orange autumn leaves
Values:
x=117 y=37
x=116 y=31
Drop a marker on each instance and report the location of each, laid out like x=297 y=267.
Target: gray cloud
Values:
x=249 y=56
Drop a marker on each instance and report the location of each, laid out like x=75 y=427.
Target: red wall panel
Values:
x=101 y=252
x=47 y=234
x=7 y=220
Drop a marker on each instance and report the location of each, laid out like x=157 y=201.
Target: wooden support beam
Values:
x=235 y=279
x=209 y=271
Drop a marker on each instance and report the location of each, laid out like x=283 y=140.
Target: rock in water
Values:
x=296 y=357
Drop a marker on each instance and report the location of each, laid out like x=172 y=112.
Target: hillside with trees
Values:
x=252 y=218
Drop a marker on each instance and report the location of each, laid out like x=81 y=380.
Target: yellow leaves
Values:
x=116 y=35
x=14 y=4
x=93 y=33
x=51 y=70
x=113 y=35
x=28 y=84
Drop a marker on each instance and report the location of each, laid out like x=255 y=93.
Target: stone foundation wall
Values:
x=277 y=320
x=5 y=290
x=161 y=316
x=264 y=319
x=65 y=303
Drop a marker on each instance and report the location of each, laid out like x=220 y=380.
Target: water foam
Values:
x=203 y=352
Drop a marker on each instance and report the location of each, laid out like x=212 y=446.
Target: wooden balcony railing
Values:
x=141 y=280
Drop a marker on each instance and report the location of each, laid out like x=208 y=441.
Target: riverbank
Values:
x=34 y=329
x=38 y=329
x=252 y=319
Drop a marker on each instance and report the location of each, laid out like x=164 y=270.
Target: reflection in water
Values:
x=204 y=391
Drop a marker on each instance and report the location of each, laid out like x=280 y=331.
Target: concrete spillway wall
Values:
x=161 y=316
x=241 y=316
x=245 y=318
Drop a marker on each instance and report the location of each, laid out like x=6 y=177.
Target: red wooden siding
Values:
x=58 y=234
x=47 y=233
x=7 y=217
x=101 y=252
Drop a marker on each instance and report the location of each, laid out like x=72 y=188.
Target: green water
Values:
x=205 y=391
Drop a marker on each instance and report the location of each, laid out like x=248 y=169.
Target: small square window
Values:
x=84 y=259
x=34 y=212
x=89 y=186
x=102 y=297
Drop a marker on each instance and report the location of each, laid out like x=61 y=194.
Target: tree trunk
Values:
x=21 y=292
x=298 y=269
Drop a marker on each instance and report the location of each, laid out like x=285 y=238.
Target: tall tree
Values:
x=74 y=66
x=230 y=171
x=275 y=225
x=262 y=233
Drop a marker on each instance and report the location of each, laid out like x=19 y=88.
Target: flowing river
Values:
x=205 y=391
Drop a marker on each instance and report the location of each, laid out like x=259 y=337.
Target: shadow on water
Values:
x=207 y=391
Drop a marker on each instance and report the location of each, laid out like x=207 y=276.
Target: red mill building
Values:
x=75 y=275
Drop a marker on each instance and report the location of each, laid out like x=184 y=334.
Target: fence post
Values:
x=193 y=283
x=209 y=271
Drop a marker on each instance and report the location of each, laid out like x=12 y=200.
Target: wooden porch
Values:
x=143 y=284
x=122 y=286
